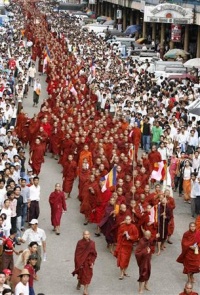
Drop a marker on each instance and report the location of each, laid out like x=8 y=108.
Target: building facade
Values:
x=176 y=24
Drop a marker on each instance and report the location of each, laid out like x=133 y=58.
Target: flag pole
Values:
x=133 y=163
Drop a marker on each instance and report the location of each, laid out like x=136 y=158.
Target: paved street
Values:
x=55 y=276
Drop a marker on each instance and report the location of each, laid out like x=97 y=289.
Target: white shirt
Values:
x=22 y=289
x=37 y=85
x=11 y=153
x=2 y=196
x=32 y=72
x=187 y=173
x=34 y=193
x=8 y=212
x=5 y=286
x=38 y=236
x=192 y=140
x=196 y=163
x=2 y=133
x=163 y=152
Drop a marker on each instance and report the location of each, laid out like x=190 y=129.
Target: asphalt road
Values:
x=55 y=276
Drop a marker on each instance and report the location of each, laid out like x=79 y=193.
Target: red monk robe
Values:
x=98 y=213
x=69 y=175
x=85 y=155
x=84 y=176
x=58 y=204
x=143 y=258
x=154 y=158
x=34 y=126
x=125 y=245
x=54 y=142
x=172 y=206
x=36 y=156
x=188 y=258
x=191 y=293
x=135 y=138
x=21 y=121
x=85 y=256
x=65 y=149
x=91 y=198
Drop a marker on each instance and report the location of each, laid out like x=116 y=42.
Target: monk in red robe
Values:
x=127 y=235
x=143 y=253
x=36 y=156
x=171 y=224
x=85 y=256
x=91 y=198
x=69 y=175
x=190 y=256
x=188 y=290
x=57 y=204
x=154 y=158
x=135 y=138
x=85 y=155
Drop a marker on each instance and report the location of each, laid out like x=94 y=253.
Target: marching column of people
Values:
x=100 y=146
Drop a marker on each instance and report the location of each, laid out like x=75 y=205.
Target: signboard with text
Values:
x=119 y=14
x=176 y=33
x=168 y=13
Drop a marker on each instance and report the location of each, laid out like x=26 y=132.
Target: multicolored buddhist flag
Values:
x=93 y=68
x=131 y=153
x=47 y=53
x=109 y=179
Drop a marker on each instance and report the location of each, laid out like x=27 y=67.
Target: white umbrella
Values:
x=29 y=43
x=194 y=62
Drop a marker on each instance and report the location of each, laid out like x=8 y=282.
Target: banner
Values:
x=176 y=33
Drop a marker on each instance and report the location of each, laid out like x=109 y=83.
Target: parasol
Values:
x=182 y=77
x=194 y=62
x=109 y=22
x=174 y=53
x=132 y=29
x=103 y=18
x=141 y=40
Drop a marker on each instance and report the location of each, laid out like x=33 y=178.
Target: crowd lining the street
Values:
x=99 y=111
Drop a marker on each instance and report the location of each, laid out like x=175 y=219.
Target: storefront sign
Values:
x=176 y=33
x=119 y=14
x=168 y=13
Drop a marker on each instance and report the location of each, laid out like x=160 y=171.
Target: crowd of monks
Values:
x=89 y=142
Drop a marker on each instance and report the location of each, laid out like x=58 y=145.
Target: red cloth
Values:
x=69 y=174
x=84 y=175
x=37 y=158
x=85 y=256
x=97 y=214
x=188 y=258
x=143 y=259
x=125 y=246
x=58 y=204
x=191 y=293
x=154 y=157
x=91 y=198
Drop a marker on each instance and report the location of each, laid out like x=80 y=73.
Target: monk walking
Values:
x=37 y=156
x=135 y=137
x=85 y=256
x=143 y=253
x=188 y=290
x=69 y=175
x=58 y=204
x=127 y=235
x=190 y=256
